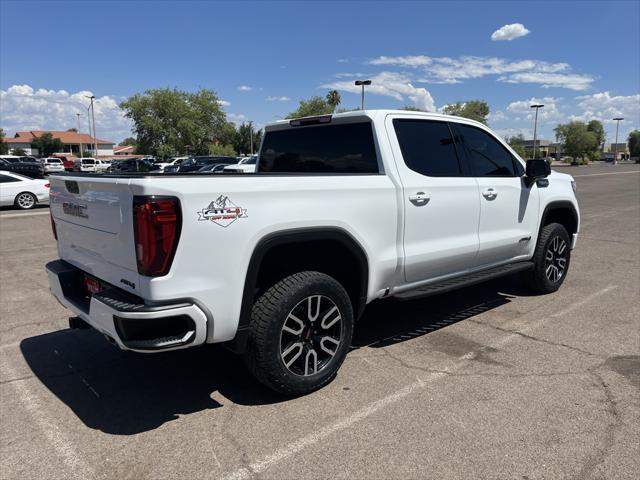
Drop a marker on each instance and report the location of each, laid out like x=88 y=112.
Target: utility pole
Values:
x=79 y=134
x=362 y=83
x=615 y=145
x=535 y=127
x=93 y=119
x=89 y=122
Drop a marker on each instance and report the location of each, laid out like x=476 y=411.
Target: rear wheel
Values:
x=551 y=258
x=25 y=200
x=300 y=333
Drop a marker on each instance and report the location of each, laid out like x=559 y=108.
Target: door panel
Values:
x=442 y=208
x=508 y=207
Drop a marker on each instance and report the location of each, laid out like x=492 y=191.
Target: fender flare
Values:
x=296 y=235
x=559 y=205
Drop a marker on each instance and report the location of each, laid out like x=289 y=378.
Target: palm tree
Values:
x=333 y=98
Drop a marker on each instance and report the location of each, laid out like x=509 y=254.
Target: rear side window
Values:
x=8 y=179
x=88 y=162
x=427 y=147
x=488 y=157
x=345 y=148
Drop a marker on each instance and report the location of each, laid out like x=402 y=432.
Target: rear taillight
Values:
x=47 y=185
x=53 y=225
x=156 y=225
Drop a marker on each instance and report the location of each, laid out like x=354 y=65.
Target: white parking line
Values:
x=610 y=173
x=260 y=466
x=26 y=214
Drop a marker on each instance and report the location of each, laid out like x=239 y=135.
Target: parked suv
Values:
x=52 y=164
x=343 y=210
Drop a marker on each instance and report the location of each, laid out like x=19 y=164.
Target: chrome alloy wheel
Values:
x=25 y=200
x=311 y=335
x=555 y=261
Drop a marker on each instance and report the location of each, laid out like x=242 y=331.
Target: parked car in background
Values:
x=86 y=164
x=196 y=163
x=246 y=165
x=68 y=161
x=21 y=191
x=52 y=164
x=174 y=161
x=11 y=163
x=213 y=167
x=102 y=166
x=133 y=165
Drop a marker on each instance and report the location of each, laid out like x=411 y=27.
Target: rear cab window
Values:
x=335 y=148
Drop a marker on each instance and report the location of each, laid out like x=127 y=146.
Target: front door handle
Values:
x=490 y=193
x=419 y=199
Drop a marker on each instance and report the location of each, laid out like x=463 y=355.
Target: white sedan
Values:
x=21 y=191
x=246 y=165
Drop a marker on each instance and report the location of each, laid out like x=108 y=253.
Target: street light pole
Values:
x=362 y=83
x=615 y=145
x=79 y=134
x=89 y=123
x=251 y=135
x=93 y=120
x=535 y=127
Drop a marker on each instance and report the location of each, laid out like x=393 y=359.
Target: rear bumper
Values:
x=130 y=322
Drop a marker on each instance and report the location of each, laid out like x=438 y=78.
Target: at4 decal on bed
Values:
x=222 y=211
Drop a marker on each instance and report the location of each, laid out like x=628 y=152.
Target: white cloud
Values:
x=278 y=99
x=511 y=132
x=448 y=70
x=245 y=88
x=237 y=118
x=405 y=61
x=351 y=75
x=604 y=107
x=571 y=81
x=522 y=110
x=23 y=108
x=343 y=60
x=509 y=32
x=224 y=103
x=391 y=84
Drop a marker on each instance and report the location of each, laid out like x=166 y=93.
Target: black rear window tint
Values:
x=342 y=148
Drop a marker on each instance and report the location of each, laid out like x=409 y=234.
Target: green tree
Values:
x=46 y=144
x=333 y=98
x=577 y=141
x=242 y=140
x=597 y=128
x=129 y=141
x=412 y=108
x=222 y=150
x=4 y=146
x=517 y=143
x=72 y=130
x=634 y=143
x=18 y=152
x=167 y=120
x=314 y=106
x=473 y=109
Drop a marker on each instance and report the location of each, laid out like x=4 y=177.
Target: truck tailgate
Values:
x=93 y=218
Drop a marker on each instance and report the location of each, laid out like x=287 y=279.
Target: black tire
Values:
x=25 y=201
x=269 y=343
x=552 y=258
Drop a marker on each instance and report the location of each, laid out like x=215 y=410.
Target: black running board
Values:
x=464 y=281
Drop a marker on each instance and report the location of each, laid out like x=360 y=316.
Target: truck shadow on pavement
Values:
x=124 y=393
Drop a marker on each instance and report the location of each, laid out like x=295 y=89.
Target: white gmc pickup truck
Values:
x=342 y=210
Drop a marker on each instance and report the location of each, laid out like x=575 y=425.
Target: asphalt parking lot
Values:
x=486 y=382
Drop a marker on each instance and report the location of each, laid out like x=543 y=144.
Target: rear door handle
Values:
x=490 y=193
x=419 y=199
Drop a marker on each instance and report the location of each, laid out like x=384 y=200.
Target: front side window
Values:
x=488 y=157
x=338 y=148
x=427 y=147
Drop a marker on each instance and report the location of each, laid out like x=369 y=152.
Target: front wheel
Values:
x=25 y=200
x=551 y=258
x=300 y=333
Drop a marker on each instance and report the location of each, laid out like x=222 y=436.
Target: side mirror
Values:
x=537 y=168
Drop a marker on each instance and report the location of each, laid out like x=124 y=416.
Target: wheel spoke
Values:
x=549 y=256
x=311 y=314
x=294 y=346
x=295 y=320
x=562 y=263
x=332 y=342
x=311 y=355
x=328 y=321
x=562 y=247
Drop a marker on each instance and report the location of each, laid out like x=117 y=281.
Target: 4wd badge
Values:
x=222 y=211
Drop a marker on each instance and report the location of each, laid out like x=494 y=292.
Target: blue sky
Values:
x=581 y=59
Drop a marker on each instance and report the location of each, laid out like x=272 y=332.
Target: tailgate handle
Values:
x=72 y=186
